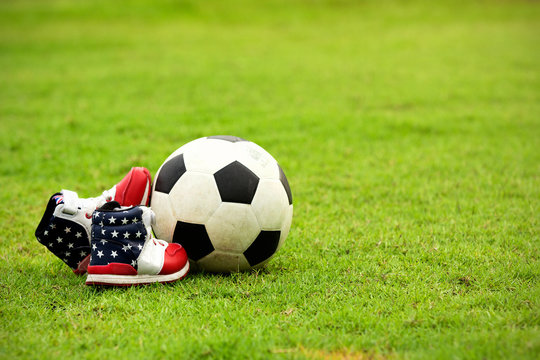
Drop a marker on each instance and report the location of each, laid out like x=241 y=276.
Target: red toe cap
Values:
x=175 y=259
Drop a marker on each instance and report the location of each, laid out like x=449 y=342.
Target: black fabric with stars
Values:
x=64 y=238
x=118 y=236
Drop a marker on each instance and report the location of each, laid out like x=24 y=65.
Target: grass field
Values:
x=409 y=132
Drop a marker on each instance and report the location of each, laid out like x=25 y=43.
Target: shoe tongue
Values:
x=111 y=205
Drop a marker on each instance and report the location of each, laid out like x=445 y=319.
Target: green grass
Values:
x=409 y=131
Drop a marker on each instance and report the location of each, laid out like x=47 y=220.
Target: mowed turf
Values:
x=409 y=132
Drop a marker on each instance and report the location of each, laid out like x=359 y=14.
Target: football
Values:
x=226 y=200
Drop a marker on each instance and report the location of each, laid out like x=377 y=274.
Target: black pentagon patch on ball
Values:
x=193 y=238
x=264 y=246
x=169 y=174
x=227 y=138
x=236 y=183
x=285 y=183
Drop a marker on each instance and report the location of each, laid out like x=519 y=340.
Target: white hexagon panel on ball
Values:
x=195 y=197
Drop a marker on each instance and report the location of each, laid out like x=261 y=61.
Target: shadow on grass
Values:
x=60 y=289
x=193 y=279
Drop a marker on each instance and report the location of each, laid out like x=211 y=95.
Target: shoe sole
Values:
x=129 y=280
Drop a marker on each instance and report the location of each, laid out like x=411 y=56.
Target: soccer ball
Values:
x=225 y=200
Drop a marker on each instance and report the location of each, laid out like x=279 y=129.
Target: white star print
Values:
x=67 y=229
x=83 y=253
x=70 y=245
x=94 y=246
x=112 y=220
x=102 y=231
x=124 y=221
x=59 y=239
x=129 y=246
x=101 y=223
x=96 y=213
x=135 y=220
x=51 y=244
x=133 y=263
x=68 y=253
x=103 y=241
x=114 y=254
x=100 y=254
x=139 y=246
x=125 y=248
x=126 y=235
x=114 y=233
x=138 y=234
x=53 y=226
x=78 y=235
x=46 y=232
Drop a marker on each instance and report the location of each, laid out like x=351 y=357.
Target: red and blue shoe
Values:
x=124 y=251
x=65 y=227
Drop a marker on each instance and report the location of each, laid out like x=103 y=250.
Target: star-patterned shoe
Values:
x=65 y=226
x=124 y=251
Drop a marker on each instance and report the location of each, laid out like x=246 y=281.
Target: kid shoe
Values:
x=124 y=251
x=65 y=226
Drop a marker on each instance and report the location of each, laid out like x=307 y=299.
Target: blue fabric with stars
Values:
x=118 y=236
x=65 y=238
